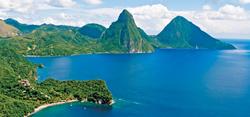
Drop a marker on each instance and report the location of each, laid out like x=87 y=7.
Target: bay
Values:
x=169 y=82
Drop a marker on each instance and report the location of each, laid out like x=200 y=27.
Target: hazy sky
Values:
x=220 y=18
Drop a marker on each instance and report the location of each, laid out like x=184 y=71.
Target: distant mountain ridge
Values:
x=122 y=36
x=91 y=30
x=25 y=28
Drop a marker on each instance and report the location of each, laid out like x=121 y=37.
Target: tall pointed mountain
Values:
x=181 y=33
x=124 y=36
x=7 y=30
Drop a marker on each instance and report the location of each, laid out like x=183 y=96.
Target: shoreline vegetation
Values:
x=20 y=93
x=104 y=53
x=48 y=105
x=40 y=108
x=108 y=53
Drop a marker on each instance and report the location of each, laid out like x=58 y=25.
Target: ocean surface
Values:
x=167 y=83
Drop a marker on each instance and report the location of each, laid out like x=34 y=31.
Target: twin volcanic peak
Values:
x=124 y=36
x=181 y=33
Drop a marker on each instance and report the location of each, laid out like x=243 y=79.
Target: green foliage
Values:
x=10 y=107
x=180 y=33
x=24 y=28
x=94 y=31
x=51 y=41
x=77 y=89
x=124 y=36
x=150 y=39
x=20 y=93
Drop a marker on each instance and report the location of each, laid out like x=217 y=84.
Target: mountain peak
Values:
x=180 y=19
x=125 y=11
x=125 y=16
x=182 y=33
x=124 y=36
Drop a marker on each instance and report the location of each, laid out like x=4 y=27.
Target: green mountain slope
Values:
x=124 y=36
x=51 y=27
x=92 y=30
x=24 y=28
x=150 y=39
x=7 y=30
x=181 y=33
x=51 y=40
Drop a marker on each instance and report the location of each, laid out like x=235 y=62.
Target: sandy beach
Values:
x=58 y=103
x=49 y=105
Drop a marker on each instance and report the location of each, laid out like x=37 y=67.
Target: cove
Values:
x=176 y=82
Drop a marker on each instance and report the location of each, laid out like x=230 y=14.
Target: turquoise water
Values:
x=175 y=83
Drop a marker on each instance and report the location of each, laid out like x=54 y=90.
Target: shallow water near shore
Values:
x=190 y=83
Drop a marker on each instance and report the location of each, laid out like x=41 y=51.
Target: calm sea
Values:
x=167 y=83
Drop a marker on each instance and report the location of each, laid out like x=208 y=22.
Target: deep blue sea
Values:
x=167 y=83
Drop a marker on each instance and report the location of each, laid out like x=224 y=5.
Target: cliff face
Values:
x=124 y=36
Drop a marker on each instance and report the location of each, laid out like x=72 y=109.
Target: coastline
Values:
x=104 y=53
x=122 y=53
x=49 y=105
x=55 y=104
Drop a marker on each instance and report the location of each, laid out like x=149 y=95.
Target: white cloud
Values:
x=31 y=6
x=151 y=18
x=227 y=21
x=19 y=6
x=232 y=10
x=206 y=7
x=245 y=1
x=93 y=2
x=226 y=12
x=58 y=21
x=2 y=14
x=62 y=3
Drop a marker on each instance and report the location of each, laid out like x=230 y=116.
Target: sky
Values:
x=220 y=18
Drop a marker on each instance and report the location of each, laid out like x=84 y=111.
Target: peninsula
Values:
x=21 y=94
